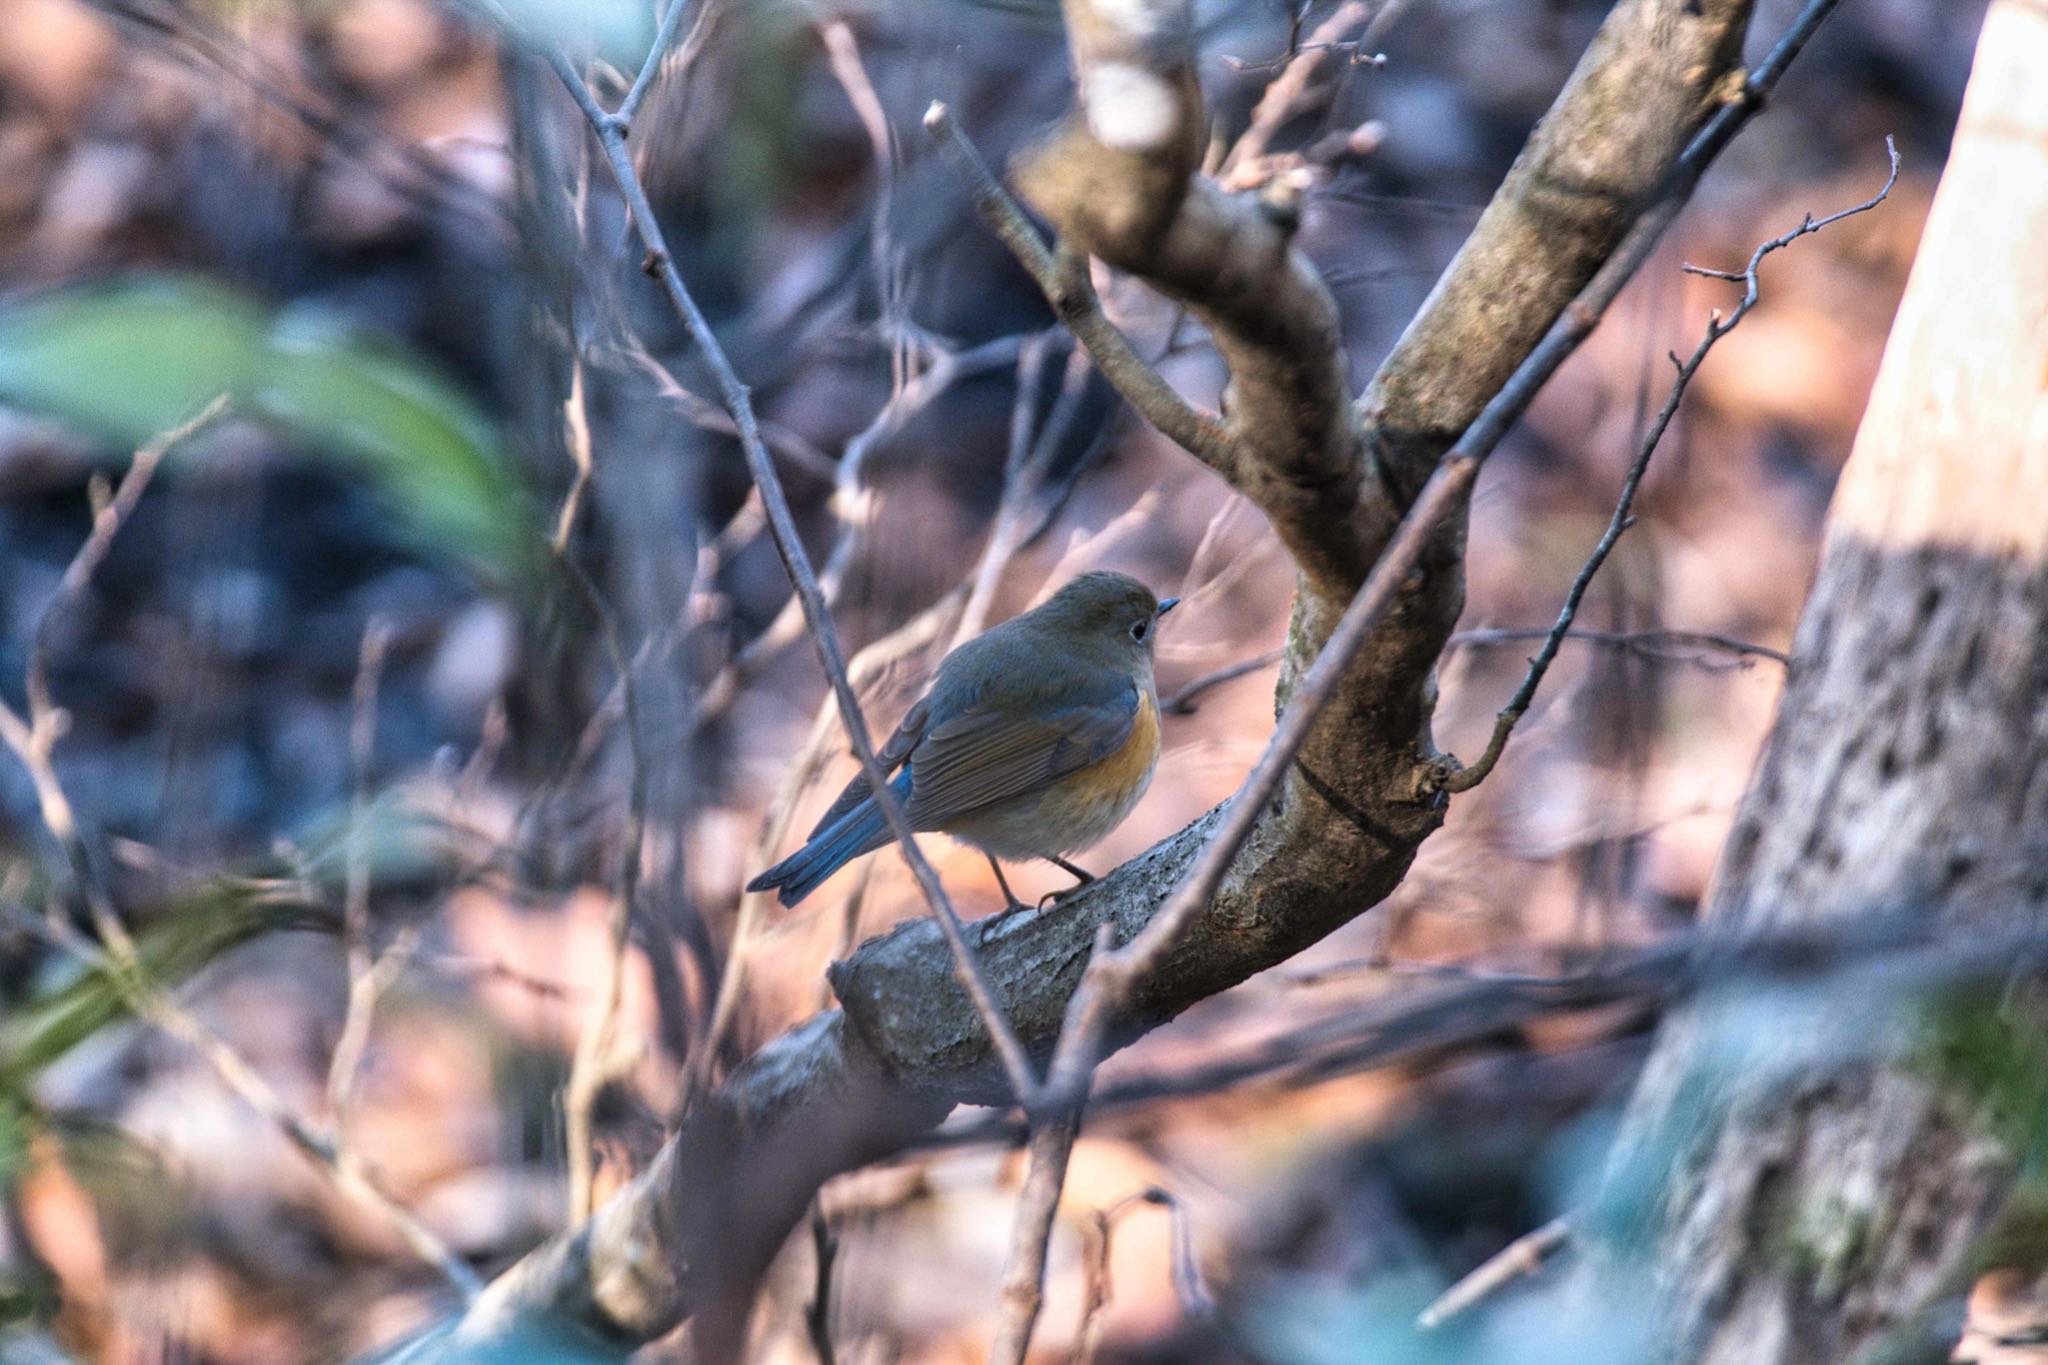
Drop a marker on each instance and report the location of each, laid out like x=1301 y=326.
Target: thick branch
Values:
x=1653 y=74
x=1118 y=181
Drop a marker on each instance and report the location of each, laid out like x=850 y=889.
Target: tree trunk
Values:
x=1907 y=774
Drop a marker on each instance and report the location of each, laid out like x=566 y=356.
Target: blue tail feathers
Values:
x=860 y=830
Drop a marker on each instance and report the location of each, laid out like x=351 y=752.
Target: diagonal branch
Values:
x=1064 y=282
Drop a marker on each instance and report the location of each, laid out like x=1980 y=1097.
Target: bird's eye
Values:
x=1139 y=629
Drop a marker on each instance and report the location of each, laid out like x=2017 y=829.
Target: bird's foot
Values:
x=1080 y=874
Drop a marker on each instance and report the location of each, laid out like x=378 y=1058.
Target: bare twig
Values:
x=1051 y=1143
x=1465 y=779
x=35 y=737
x=1653 y=644
x=1286 y=95
x=1182 y=701
x=1096 y=1286
x=1096 y=1232
x=365 y=982
x=491 y=969
x=701 y=412
x=602 y=1056
x=664 y=37
x=855 y=505
x=1023 y=466
x=576 y=436
x=842 y=54
x=610 y=131
x=1352 y=49
x=366 y=988
x=1523 y=1256
x=1066 y=287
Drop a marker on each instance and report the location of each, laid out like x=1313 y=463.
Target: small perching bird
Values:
x=1035 y=740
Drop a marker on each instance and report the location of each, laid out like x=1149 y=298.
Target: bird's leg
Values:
x=1008 y=895
x=1082 y=876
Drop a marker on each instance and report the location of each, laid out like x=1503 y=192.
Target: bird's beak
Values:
x=1168 y=605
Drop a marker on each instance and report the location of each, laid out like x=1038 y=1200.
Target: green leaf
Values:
x=125 y=361
x=35 y=1033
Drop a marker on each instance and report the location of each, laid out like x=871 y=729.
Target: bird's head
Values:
x=1110 y=613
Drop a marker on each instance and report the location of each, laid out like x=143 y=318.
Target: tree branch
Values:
x=1073 y=299
x=1342 y=801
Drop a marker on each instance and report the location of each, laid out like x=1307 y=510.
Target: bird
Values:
x=1034 y=740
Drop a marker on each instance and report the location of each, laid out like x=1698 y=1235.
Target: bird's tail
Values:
x=860 y=830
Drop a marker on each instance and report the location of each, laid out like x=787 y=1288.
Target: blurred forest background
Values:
x=333 y=691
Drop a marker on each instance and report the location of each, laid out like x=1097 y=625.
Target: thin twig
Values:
x=1653 y=644
x=1023 y=463
x=1051 y=1144
x=664 y=37
x=706 y=415
x=842 y=54
x=855 y=505
x=1096 y=1233
x=575 y=436
x=366 y=988
x=1096 y=1286
x=1073 y=299
x=610 y=132
x=1285 y=96
x=602 y=1056
x=1465 y=779
x=1182 y=701
x=1523 y=1256
x=368 y=974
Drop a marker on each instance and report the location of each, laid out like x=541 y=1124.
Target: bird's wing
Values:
x=890 y=757
x=992 y=752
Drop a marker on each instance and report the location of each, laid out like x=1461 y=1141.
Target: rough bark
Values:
x=694 y=1231
x=1907 y=771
